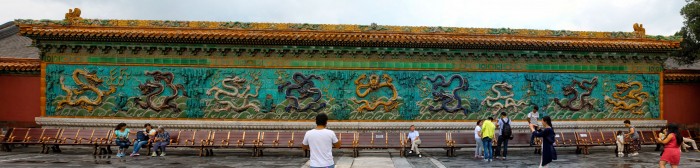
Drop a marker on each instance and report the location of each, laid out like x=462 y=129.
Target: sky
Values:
x=659 y=17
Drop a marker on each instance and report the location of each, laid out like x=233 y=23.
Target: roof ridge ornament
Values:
x=639 y=30
x=73 y=16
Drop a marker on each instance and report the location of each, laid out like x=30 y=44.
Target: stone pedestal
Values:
x=341 y=126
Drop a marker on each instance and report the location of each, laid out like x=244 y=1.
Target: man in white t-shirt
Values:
x=532 y=118
x=415 y=140
x=479 y=152
x=320 y=142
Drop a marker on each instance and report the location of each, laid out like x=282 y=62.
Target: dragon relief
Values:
x=234 y=83
x=152 y=89
x=91 y=83
x=373 y=85
x=509 y=102
x=439 y=95
x=584 y=103
x=620 y=101
x=306 y=88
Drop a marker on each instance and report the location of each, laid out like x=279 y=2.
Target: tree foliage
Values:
x=690 y=30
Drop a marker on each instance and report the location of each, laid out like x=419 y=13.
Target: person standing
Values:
x=620 y=141
x=142 y=138
x=548 y=139
x=320 y=142
x=415 y=140
x=161 y=141
x=478 y=152
x=505 y=135
x=488 y=130
x=636 y=145
x=672 y=151
x=121 y=134
x=532 y=117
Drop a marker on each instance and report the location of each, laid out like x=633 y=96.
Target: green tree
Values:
x=689 y=32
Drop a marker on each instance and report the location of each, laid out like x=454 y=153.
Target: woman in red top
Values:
x=672 y=150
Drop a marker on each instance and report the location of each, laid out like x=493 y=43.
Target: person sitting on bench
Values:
x=161 y=141
x=142 y=138
x=415 y=140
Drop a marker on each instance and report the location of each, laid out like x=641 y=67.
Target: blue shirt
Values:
x=500 y=124
x=412 y=135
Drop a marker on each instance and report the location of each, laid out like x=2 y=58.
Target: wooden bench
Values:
x=299 y=141
x=568 y=139
x=3 y=135
x=584 y=141
x=558 y=140
x=21 y=136
x=395 y=140
x=433 y=140
x=267 y=140
x=72 y=137
x=278 y=140
x=610 y=138
x=192 y=139
x=50 y=135
x=459 y=140
x=103 y=140
x=648 y=137
x=219 y=139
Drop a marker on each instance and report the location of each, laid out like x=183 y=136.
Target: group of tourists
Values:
x=320 y=141
x=485 y=136
x=158 y=138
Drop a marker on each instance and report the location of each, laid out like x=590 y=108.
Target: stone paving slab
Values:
x=82 y=157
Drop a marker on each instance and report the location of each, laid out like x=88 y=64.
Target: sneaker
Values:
x=634 y=154
x=162 y=154
x=137 y=154
x=154 y=154
x=486 y=160
x=420 y=156
x=503 y=158
x=409 y=152
x=132 y=155
x=490 y=160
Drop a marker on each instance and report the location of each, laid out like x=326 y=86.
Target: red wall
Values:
x=682 y=102
x=19 y=99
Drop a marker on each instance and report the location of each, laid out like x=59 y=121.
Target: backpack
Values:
x=141 y=136
x=507 y=132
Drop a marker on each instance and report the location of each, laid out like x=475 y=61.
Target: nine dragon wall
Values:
x=298 y=94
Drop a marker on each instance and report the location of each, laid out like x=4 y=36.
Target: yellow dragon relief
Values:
x=620 y=102
x=374 y=85
x=83 y=101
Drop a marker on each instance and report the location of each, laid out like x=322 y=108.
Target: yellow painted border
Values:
x=42 y=97
x=43 y=91
x=661 y=95
x=331 y=68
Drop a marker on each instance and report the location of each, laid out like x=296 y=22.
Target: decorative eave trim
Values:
x=682 y=76
x=352 y=52
x=12 y=65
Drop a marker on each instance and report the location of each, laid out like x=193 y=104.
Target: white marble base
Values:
x=518 y=126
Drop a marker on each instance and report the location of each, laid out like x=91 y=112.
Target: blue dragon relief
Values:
x=306 y=88
x=439 y=94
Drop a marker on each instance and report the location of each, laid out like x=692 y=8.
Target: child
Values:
x=620 y=143
x=662 y=135
x=478 y=153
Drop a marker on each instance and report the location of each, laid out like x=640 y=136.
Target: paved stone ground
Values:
x=82 y=157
